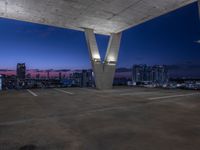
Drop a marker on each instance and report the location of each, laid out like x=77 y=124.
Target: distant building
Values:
x=150 y=74
x=82 y=79
x=141 y=73
x=28 y=76
x=76 y=78
x=38 y=76
x=60 y=75
x=160 y=74
x=21 y=71
x=1 y=83
x=87 y=78
x=10 y=82
x=48 y=77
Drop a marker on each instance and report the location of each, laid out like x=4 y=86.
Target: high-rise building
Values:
x=160 y=74
x=136 y=73
x=21 y=71
x=154 y=74
x=141 y=73
x=87 y=78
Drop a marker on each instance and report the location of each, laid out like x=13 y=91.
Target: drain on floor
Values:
x=28 y=147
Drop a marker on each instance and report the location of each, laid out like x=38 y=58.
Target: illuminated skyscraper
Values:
x=141 y=73
x=154 y=74
x=160 y=74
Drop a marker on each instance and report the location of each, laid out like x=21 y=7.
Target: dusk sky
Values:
x=169 y=39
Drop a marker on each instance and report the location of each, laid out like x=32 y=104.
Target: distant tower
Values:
x=160 y=74
x=60 y=75
x=21 y=71
x=48 y=74
x=1 y=82
x=139 y=73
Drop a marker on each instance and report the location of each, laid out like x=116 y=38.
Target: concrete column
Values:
x=111 y=59
x=103 y=71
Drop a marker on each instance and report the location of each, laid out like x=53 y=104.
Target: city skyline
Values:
x=169 y=39
x=175 y=71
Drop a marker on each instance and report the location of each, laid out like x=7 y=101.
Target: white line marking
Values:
x=32 y=93
x=173 y=96
x=64 y=91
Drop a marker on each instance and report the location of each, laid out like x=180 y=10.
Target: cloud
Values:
x=197 y=41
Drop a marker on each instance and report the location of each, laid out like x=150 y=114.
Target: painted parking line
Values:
x=32 y=93
x=70 y=93
x=173 y=96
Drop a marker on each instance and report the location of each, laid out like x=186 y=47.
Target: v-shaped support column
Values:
x=104 y=71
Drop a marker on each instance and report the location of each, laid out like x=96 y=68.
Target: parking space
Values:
x=78 y=118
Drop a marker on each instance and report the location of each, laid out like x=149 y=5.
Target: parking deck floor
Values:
x=88 y=119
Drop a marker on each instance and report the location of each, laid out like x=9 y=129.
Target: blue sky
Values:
x=168 y=39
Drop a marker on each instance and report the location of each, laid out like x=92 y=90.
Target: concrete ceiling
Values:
x=104 y=16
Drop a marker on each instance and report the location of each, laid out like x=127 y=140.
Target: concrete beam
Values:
x=104 y=16
x=103 y=70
